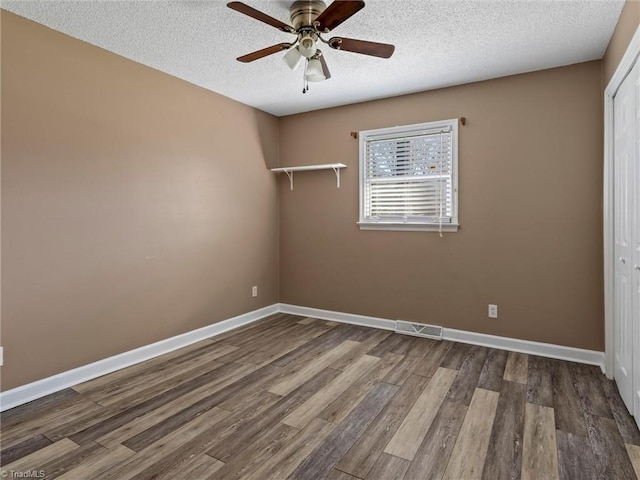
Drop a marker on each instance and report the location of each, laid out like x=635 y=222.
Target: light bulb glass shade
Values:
x=314 y=71
x=307 y=46
x=293 y=58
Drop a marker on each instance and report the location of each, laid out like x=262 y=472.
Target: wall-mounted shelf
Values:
x=325 y=166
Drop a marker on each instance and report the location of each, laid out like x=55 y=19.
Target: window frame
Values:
x=408 y=130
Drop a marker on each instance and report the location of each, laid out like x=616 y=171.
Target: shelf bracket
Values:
x=290 y=175
x=337 y=170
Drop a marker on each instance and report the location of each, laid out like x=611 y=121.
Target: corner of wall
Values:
x=278 y=128
x=626 y=27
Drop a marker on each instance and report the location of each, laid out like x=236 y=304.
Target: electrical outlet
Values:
x=493 y=311
x=254 y=291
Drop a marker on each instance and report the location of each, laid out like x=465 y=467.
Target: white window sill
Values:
x=408 y=227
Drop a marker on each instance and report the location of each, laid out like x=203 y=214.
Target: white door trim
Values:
x=624 y=67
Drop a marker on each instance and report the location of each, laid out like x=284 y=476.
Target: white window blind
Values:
x=408 y=175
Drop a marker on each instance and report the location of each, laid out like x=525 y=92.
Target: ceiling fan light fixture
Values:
x=307 y=45
x=314 y=71
x=292 y=58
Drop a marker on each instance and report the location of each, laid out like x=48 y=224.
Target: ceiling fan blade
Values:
x=338 y=12
x=382 y=50
x=325 y=69
x=250 y=57
x=258 y=15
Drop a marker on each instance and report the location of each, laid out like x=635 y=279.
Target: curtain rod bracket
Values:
x=463 y=120
x=354 y=135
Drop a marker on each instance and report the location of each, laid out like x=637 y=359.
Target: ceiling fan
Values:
x=311 y=19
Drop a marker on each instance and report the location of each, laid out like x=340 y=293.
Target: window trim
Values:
x=436 y=126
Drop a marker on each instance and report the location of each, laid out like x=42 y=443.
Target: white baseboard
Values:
x=32 y=391
x=549 y=350
x=351 y=318
x=560 y=352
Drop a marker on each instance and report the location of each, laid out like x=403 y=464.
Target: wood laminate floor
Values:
x=299 y=398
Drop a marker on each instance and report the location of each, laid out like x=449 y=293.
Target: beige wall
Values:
x=135 y=206
x=530 y=213
x=626 y=27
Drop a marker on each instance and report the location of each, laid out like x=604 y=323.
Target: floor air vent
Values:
x=419 y=329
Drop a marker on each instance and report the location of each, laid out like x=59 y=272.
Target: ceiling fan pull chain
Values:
x=305 y=82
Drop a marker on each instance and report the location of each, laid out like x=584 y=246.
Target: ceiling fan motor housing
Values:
x=304 y=12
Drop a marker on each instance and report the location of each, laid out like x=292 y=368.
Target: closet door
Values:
x=626 y=298
x=635 y=212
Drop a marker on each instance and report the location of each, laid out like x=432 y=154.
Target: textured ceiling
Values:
x=438 y=43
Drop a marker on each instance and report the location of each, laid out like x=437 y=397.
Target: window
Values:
x=409 y=177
